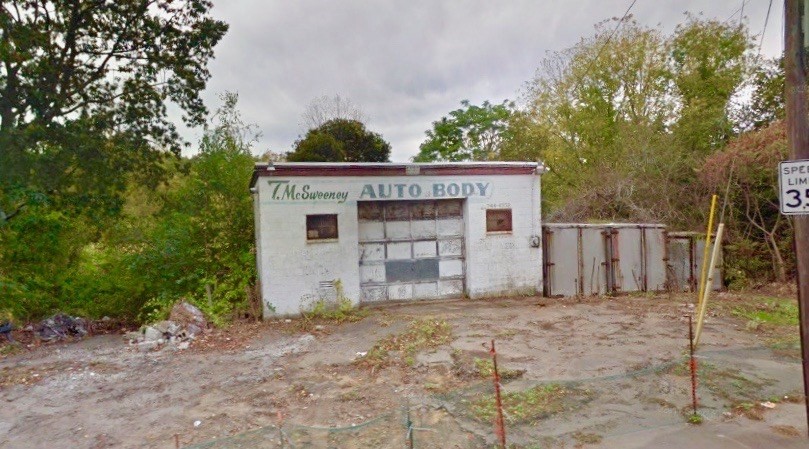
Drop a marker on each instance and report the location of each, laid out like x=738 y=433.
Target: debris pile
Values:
x=183 y=326
x=60 y=327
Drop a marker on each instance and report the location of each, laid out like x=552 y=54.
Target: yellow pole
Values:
x=703 y=304
x=705 y=252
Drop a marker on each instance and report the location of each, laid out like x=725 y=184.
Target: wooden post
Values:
x=795 y=65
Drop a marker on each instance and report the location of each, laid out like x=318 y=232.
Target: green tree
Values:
x=766 y=103
x=83 y=93
x=192 y=238
x=470 y=133
x=625 y=117
x=340 y=140
x=708 y=63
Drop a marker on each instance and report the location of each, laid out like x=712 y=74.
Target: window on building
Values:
x=321 y=227
x=498 y=220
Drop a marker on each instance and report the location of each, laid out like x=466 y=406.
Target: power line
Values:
x=738 y=10
x=764 y=31
x=615 y=30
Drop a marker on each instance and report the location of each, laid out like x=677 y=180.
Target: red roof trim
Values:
x=348 y=170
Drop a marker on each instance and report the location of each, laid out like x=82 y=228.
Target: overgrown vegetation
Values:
x=100 y=216
x=636 y=124
x=190 y=237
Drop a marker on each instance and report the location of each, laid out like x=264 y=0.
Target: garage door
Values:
x=411 y=249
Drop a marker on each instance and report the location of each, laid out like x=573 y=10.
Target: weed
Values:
x=695 y=418
x=420 y=334
x=342 y=311
x=530 y=405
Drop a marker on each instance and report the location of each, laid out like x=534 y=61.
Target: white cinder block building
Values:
x=395 y=232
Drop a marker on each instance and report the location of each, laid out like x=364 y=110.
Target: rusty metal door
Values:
x=411 y=249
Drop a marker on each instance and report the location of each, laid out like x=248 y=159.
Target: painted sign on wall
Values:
x=294 y=191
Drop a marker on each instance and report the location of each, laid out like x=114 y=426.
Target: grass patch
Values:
x=485 y=369
x=527 y=406
x=420 y=334
x=766 y=310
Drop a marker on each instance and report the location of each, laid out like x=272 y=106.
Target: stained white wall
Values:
x=293 y=270
x=504 y=263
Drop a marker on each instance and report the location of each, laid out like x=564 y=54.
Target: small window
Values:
x=498 y=220
x=321 y=227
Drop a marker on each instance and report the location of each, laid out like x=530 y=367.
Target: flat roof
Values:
x=394 y=169
x=603 y=225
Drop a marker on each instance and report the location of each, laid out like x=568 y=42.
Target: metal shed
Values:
x=594 y=259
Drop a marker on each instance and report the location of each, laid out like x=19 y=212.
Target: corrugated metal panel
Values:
x=685 y=261
x=656 y=272
x=594 y=259
x=593 y=262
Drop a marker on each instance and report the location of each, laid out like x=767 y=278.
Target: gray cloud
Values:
x=408 y=63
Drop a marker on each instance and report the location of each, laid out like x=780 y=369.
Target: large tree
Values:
x=340 y=140
x=84 y=88
x=470 y=133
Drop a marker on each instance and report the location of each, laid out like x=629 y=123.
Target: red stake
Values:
x=500 y=426
x=692 y=364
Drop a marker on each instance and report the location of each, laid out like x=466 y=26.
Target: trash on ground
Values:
x=60 y=327
x=5 y=330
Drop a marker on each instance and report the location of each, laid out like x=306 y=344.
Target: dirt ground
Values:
x=602 y=372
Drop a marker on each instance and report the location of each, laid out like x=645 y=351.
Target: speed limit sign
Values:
x=793 y=179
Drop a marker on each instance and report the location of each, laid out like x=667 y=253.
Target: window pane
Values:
x=397 y=211
x=319 y=227
x=498 y=220
x=449 y=208
x=423 y=210
x=367 y=210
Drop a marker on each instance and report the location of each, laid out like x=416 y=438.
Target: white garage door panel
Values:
x=411 y=249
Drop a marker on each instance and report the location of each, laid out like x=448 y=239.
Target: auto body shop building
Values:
x=370 y=232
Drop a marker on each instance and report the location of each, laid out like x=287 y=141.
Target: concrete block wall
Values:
x=295 y=273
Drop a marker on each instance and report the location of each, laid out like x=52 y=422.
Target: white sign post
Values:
x=793 y=180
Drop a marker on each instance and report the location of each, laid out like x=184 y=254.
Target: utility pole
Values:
x=796 y=39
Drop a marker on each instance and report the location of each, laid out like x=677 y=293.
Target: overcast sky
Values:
x=407 y=63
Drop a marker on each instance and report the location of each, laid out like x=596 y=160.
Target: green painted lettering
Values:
x=367 y=190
